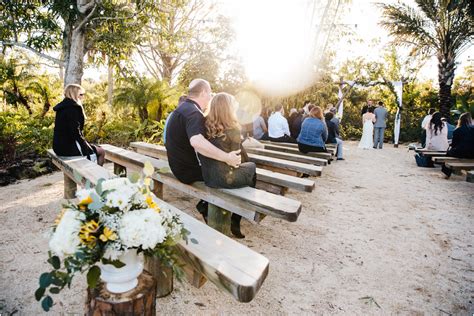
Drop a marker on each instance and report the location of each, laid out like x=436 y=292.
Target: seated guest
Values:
x=223 y=131
x=436 y=133
x=68 y=137
x=278 y=129
x=295 y=124
x=260 y=128
x=462 y=145
x=451 y=129
x=313 y=133
x=332 y=134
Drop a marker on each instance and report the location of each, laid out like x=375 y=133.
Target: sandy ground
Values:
x=377 y=236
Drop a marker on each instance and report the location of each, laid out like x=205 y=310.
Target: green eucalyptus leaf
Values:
x=45 y=280
x=98 y=187
x=55 y=262
x=96 y=202
x=133 y=177
x=39 y=293
x=88 y=185
x=116 y=263
x=194 y=241
x=93 y=277
x=54 y=290
x=47 y=303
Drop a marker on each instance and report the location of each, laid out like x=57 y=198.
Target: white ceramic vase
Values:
x=120 y=280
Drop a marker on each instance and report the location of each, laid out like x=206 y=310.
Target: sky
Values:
x=273 y=39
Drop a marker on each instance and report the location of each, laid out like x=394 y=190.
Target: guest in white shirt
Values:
x=278 y=129
x=426 y=121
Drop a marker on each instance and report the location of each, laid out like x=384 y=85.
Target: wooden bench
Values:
x=292 y=168
x=267 y=180
x=231 y=266
x=290 y=150
x=251 y=203
x=470 y=176
x=331 y=146
x=457 y=167
x=287 y=156
x=430 y=153
x=445 y=159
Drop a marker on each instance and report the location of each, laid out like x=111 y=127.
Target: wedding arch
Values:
x=395 y=86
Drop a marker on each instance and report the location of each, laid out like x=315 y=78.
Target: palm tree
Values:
x=441 y=28
x=142 y=93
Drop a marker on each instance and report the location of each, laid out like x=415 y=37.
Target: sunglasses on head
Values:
x=81 y=94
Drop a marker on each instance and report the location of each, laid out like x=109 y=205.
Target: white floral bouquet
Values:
x=117 y=215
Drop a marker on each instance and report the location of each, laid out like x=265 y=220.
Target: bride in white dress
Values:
x=368 y=120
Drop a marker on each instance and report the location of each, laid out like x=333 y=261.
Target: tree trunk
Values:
x=75 y=62
x=110 y=86
x=446 y=67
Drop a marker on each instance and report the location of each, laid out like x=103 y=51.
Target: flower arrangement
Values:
x=117 y=215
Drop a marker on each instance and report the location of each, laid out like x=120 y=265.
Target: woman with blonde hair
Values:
x=313 y=134
x=68 y=138
x=223 y=131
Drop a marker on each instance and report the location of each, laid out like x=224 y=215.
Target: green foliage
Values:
x=22 y=135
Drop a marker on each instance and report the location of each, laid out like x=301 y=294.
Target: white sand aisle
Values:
x=377 y=230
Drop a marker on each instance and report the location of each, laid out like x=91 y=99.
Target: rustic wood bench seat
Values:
x=290 y=150
x=268 y=177
x=445 y=159
x=287 y=156
x=293 y=145
x=458 y=166
x=429 y=153
x=285 y=166
x=231 y=266
x=248 y=202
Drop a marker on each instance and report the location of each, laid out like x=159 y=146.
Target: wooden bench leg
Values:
x=162 y=274
x=120 y=170
x=158 y=189
x=70 y=188
x=139 y=301
x=219 y=219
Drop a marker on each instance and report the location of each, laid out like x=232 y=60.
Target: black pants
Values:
x=283 y=139
x=308 y=148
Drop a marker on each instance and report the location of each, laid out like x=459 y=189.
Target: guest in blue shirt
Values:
x=313 y=132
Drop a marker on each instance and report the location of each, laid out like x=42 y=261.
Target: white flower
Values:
x=115 y=184
x=122 y=193
x=65 y=240
x=84 y=194
x=142 y=228
x=113 y=251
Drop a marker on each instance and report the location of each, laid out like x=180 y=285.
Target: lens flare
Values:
x=249 y=108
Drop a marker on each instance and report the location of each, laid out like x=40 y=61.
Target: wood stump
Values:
x=163 y=276
x=219 y=219
x=139 y=301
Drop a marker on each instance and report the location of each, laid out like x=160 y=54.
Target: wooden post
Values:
x=119 y=170
x=158 y=189
x=70 y=187
x=162 y=274
x=139 y=301
x=219 y=219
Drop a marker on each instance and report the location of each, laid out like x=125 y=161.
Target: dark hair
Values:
x=371 y=109
x=365 y=108
x=436 y=122
x=431 y=111
x=465 y=119
x=306 y=102
x=310 y=107
x=380 y=103
x=328 y=116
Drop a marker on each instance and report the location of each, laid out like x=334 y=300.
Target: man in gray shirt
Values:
x=379 y=125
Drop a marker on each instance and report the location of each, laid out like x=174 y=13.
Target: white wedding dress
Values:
x=367 y=140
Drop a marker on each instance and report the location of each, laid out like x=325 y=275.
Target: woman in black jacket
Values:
x=462 y=145
x=68 y=139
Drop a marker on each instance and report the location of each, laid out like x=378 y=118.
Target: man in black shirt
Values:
x=185 y=138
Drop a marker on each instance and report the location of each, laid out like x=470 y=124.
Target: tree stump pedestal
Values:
x=139 y=301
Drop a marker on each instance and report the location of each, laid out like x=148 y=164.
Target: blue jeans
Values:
x=339 y=147
x=378 y=137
